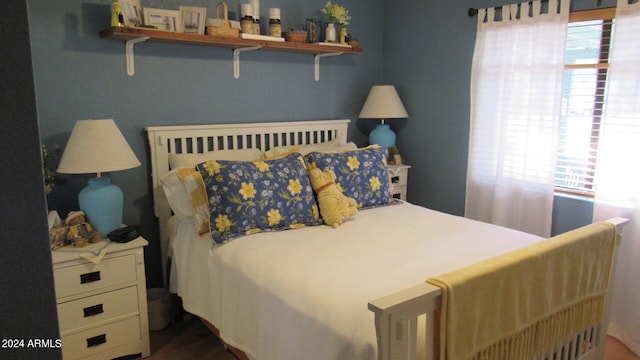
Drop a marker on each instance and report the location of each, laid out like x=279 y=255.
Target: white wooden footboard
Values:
x=397 y=327
x=400 y=333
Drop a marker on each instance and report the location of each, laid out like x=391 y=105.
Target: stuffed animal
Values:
x=334 y=205
x=80 y=231
x=58 y=237
x=394 y=156
x=75 y=230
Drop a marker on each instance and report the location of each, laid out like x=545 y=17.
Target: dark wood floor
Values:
x=190 y=339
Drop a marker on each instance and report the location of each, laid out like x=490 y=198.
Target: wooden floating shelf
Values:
x=133 y=35
x=125 y=34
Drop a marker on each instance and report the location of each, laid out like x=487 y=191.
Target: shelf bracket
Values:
x=236 y=59
x=316 y=60
x=129 y=53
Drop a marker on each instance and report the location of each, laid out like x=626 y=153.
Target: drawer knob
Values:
x=90 y=277
x=96 y=340
x=93 y=310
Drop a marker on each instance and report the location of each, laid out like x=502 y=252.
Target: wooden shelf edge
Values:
x=130 y=33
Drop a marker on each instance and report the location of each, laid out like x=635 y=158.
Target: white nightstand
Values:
x=398 y=175
x=102 y=306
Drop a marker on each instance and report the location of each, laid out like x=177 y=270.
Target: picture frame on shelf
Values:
x=131 y=12
x=193 y=19
x=163 y=19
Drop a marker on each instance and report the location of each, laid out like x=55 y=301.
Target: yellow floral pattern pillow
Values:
x=192 y=181
x=247 y=197
x=360 y=174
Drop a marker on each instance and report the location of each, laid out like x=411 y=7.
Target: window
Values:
x=583 y=94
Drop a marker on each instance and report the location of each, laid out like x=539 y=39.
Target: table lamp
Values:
x=97 y=146
x=382 y=103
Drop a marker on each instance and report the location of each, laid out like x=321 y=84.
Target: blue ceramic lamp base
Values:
x=102 y=202
x=383 y=136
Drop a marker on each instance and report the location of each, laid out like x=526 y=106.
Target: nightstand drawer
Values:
x=93 y=310
x=94 y=341
x=81 y=278
x=398 y=179
x=399 y=192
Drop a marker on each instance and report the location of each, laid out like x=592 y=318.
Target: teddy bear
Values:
x=394 y=156
x=75 y=230
x=80 y=231
x=334 y=205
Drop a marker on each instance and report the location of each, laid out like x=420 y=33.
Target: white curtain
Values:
x=516 y=83
x=618 y=170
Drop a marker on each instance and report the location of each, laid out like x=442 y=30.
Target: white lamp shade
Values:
x=383 y=102
x=96 y=146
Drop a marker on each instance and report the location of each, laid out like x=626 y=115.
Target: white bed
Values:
x=303 y=293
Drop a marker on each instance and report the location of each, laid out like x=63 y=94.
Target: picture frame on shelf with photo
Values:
x=193 y=19
x=131 y=12
x=162 y=19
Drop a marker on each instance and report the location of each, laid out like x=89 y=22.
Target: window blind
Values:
x=583 y=103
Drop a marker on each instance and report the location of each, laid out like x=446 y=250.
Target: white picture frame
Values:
x=131 y=12
x=163 y=19
x=193 y=19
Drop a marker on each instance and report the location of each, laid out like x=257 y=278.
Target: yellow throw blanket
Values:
x=514 y=305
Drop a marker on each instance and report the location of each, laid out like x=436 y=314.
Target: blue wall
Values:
x=423 y=47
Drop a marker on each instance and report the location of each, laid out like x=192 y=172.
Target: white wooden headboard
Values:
x=165 y=140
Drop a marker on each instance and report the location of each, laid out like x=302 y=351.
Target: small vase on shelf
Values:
x=330 y=34
x=343 y=36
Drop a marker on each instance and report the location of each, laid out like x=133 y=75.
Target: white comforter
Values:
x=303 y=294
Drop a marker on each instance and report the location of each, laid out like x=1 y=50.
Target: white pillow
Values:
x=177 y=195
x=346 y=147
x=303 y=149
x=191 y=160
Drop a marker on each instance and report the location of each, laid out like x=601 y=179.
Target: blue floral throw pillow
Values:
x=360 y=174
x=247 y=197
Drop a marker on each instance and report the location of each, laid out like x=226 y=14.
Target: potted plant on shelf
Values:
x=335 y=13
x=48 y=167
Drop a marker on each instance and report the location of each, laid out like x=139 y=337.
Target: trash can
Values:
x=158 y=306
